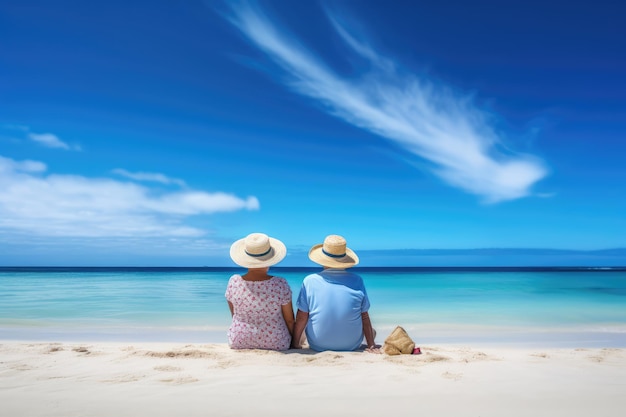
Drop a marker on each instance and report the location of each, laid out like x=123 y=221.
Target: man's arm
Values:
x=301 y=320
x=368 y=331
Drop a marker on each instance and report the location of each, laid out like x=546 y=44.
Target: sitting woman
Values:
x=259 y=303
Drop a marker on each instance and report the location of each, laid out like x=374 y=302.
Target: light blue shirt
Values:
x=334 y=299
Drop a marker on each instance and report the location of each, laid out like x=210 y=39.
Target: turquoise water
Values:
x=582 y=307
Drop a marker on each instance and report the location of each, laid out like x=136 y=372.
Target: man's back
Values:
x=334 y=300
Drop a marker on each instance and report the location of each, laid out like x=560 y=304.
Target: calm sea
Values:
x=582 y=307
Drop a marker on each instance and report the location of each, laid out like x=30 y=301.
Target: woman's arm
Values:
x=232 y=308
x=301 y=320
x=287 y=310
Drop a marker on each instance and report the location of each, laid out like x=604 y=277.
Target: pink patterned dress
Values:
x=258 y=321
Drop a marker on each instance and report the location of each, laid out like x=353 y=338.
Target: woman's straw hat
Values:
x=333 y=253
x=257 y=250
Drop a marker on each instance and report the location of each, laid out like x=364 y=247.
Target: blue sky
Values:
x=158 y=132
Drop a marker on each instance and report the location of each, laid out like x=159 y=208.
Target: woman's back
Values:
x=258 y=321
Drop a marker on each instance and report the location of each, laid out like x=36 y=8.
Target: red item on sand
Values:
x=417 y=351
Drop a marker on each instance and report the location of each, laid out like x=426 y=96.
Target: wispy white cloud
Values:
x=14 y=127
x=21 y=133
x=51 y=141
x=427 y=120
x=38 y=203
x=8 y=166
x=150 y=177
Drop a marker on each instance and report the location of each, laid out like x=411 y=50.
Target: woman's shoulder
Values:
x=234 y=278
x=279 y=281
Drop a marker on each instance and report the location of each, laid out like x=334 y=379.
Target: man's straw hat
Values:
x=257 y=250
x=333 y=253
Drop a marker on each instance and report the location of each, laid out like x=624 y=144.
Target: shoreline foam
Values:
x=580 y=336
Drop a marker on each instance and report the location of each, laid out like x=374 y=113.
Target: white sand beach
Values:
x=167 y=379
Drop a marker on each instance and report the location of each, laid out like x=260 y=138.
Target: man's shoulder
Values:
x=340 y=273
x=312 y=277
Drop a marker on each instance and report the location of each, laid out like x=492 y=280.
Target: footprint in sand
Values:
x=193 y=354
x=436 y=358
x=124 y=378
x=167 y=368
x=53 y=349
x=480 y=356
x=452 y=376
x=180 y=381
x=602 y=355
x=22 y=367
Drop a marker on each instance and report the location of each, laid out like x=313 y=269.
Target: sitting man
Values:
x=333 y=304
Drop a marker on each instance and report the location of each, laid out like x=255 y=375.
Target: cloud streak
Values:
x=50 y=140
x=44 y=204
x=150 y=177
x=427 y=120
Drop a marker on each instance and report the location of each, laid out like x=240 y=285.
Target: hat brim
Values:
x=317 y=256
x=275 y=255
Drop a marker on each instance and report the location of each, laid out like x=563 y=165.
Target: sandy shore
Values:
x=150 y=379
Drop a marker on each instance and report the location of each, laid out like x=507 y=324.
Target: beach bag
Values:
x=398 y=342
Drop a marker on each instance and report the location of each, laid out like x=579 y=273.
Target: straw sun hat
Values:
x=257 y=250
x=333 y=253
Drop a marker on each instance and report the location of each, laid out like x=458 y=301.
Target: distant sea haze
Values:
x=298 y=257
x=513 y=257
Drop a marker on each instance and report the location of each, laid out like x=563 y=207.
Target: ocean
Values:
x=557 y=307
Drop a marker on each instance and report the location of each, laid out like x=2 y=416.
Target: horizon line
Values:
x=313 y=267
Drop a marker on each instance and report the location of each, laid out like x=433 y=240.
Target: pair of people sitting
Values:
x=332 y=307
